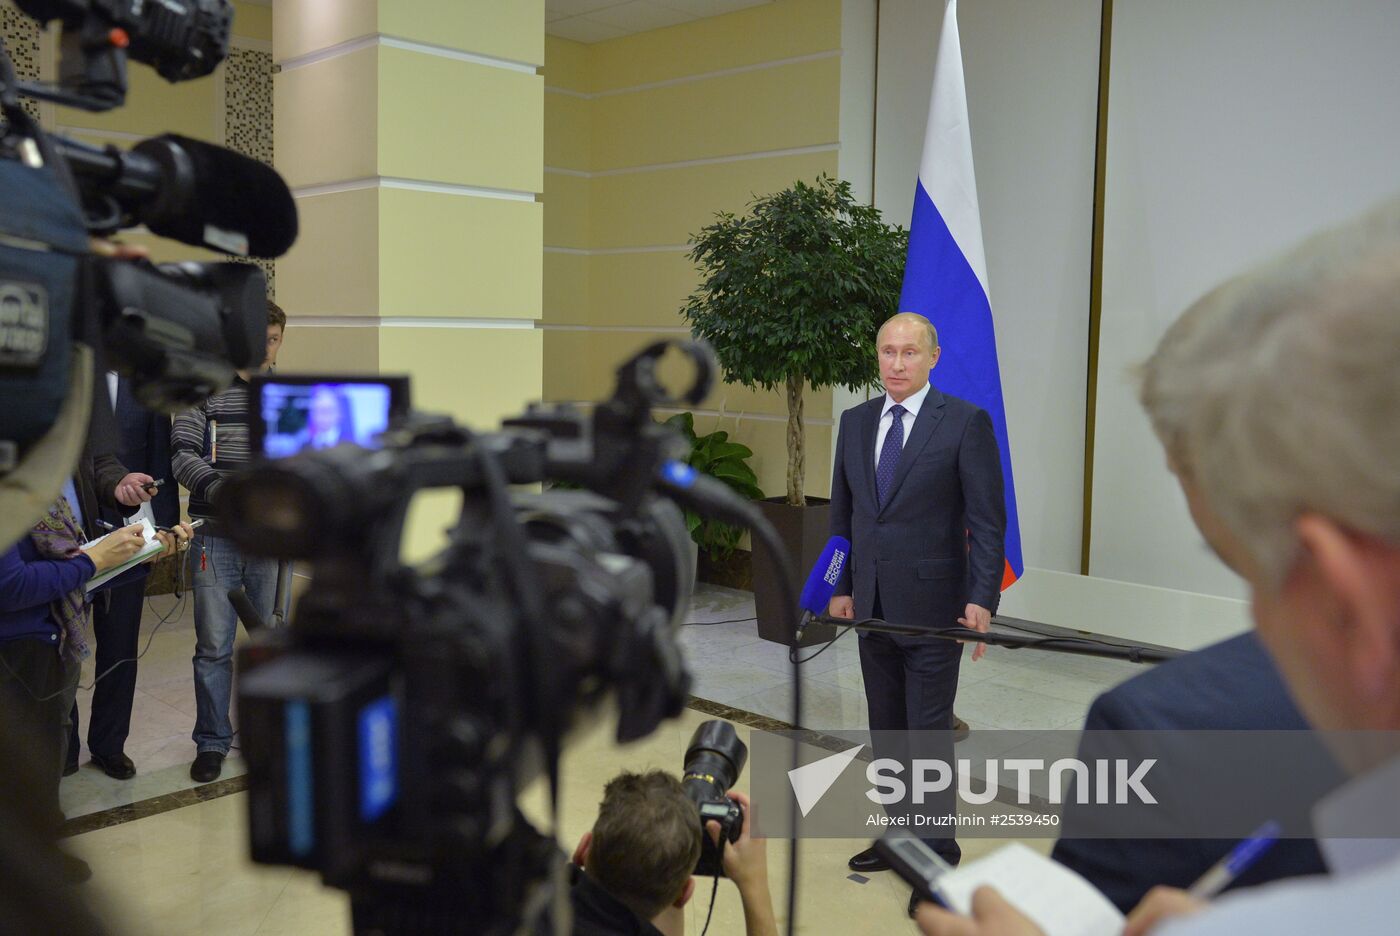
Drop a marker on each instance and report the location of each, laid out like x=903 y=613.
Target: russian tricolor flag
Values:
x=945 y=277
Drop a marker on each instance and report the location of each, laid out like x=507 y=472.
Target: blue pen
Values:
x=1223 y=873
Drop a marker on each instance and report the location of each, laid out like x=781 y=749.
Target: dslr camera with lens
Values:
x=713 y=762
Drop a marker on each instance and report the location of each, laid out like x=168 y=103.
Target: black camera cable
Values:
x=710 y=912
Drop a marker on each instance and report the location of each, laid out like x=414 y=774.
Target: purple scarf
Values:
x=58 y=536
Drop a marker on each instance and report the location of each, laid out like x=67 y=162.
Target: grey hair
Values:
x=1278 y=393
x=917 y=319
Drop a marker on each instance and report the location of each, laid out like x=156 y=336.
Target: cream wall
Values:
x=646 y=138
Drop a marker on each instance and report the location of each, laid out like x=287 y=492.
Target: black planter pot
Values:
x=804 y=532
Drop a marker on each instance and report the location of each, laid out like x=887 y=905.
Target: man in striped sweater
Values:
x=207 y=443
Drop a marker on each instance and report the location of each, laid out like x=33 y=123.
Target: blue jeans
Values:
x=218 y=566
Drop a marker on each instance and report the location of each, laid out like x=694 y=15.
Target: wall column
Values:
x=411 y=132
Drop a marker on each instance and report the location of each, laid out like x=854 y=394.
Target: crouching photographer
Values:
x=634 y=872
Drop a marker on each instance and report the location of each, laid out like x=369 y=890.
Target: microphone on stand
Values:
x=821 y=583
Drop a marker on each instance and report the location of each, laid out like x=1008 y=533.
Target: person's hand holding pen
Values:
x=1164 y=903
x=117 y=547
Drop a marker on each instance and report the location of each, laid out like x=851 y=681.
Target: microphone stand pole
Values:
x=1082 y=646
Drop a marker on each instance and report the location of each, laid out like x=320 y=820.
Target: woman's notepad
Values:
x=152 y=547
x=1060 y=901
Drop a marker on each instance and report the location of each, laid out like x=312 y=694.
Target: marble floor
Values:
x=186 y=870
x=1006 y=689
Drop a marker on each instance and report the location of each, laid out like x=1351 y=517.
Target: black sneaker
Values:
x=207 y=766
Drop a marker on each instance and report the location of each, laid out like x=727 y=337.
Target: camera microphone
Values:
x=243 y=605
x=822 y=582
x=188 y=190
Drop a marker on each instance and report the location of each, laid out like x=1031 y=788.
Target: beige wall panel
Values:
x=155 y=106
x=666 y=207
x=646 y=289
x=773 y=109
x=333 y=269
x=779 y=30
x=252 y=21
x=459 y=255
x=592 y=359
x=567 y=64
x=768 y=439
x=512 y=30
x=566 y=289
x=733 y=398
x=566 y=210
x=324 y=120
x=568 y=131
x=486 y=125
x=566 y=376
x=479 y=375
x=302 y=26
x=317 y=350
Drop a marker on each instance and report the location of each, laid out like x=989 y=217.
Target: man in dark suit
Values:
x=917 y=489
x=116 y=620
x=1229 y=686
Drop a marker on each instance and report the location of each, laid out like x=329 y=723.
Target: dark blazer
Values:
x=1229 y=686
x=939 y=541
x=145 y=437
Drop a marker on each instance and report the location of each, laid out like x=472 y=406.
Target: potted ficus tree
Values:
x=791 y=295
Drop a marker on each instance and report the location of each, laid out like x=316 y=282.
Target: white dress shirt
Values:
x=1358 y=899
x=911 y=411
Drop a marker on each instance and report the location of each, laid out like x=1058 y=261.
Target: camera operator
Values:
x=632 y=871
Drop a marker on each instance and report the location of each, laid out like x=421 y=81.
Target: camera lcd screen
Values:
x=293 y=414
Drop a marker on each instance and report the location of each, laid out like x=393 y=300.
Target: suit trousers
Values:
x=116 y=625
x=910 y=684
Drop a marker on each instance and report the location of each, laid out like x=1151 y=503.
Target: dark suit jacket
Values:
x=145 y=438
x=939 y=541
x=1229 y=686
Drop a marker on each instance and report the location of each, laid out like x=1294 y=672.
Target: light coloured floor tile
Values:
x=999 y=704
x=825 y=707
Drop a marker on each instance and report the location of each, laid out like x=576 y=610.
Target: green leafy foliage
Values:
x=796 y=288
x=713 y=454
x=798 y=285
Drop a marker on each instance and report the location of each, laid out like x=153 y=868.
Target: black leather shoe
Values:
x=960 y=730
x=867 y=862
x=207 y=766
x=118 y=766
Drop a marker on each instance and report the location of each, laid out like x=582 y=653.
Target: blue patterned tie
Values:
x=889 y=453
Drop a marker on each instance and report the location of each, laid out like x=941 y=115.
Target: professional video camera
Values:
x=66 y=314
x=713 y=761
x=389 y=730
